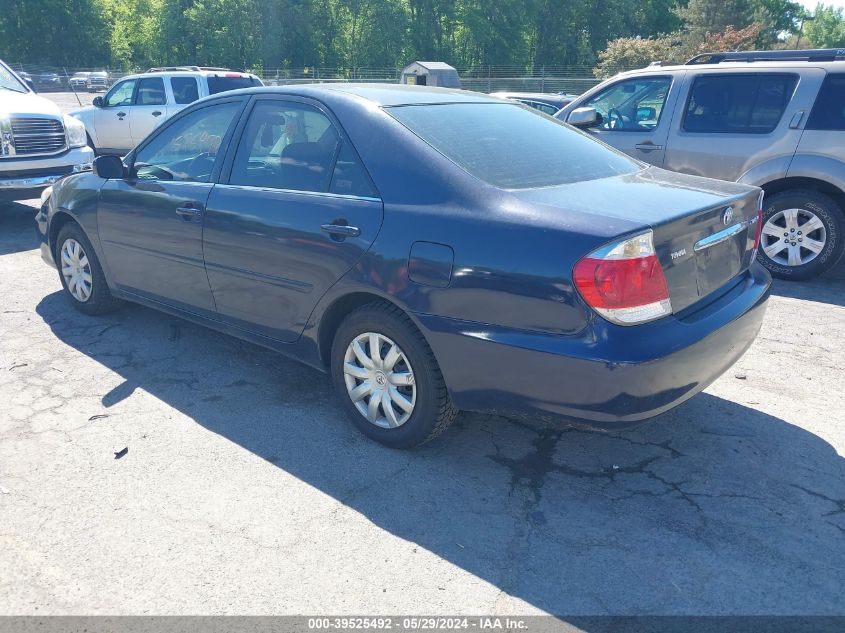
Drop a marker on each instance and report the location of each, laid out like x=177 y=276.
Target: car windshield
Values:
x=222 y=84
x=8 y=81
x=510 y=146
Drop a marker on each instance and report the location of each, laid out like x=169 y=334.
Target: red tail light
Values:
x=759 y=232
x=624 y=282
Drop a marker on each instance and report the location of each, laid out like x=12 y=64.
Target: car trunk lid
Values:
x=704 y=230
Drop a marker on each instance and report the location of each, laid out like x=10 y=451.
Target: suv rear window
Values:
x=738 y=103
x=222 y=84
x=829 y=111
x=510 y=146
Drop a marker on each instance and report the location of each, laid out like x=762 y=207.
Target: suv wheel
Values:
x=802 y=234
x=387 y=378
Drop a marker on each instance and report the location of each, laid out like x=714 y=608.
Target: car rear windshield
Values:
x=510 y=146
x=222 y=84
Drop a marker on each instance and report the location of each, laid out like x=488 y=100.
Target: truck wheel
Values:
x=802 y=234
x=388 y=379
x=80 y=272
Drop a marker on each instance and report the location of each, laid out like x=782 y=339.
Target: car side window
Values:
x=349 y=176
x=633 y=105
x=185 y=89
x=738 y=103
x=151 y=92
x=829 y=110
x=286 y=145
x=187 y=149
x=121 y=94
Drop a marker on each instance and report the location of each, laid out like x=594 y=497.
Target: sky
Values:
x=811 y=4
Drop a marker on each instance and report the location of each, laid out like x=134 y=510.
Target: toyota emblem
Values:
x=727 y=216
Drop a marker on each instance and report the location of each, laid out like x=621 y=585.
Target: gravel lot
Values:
x=246 y=491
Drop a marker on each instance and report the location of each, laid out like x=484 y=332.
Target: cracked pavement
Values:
x=246 y=491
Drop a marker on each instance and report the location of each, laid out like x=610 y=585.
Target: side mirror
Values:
x=109 y=167
x=584 y=117
x=31 y=85
x=646 y=114
x=98 y=101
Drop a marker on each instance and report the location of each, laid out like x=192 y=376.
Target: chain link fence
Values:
x=485 y=78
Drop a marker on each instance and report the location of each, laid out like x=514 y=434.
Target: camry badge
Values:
x=727 y=216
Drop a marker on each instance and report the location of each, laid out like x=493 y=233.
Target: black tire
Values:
x=100 y=300
x=825 y=209
x=433 y=411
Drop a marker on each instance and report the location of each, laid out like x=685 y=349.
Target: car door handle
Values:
x=648 y=146
x=341 y=230
x=120 y=115
x=188 y=213
x=156 y=113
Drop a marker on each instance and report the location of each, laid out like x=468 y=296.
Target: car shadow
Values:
x=17 y=228
x=714 y=508
x=821 y=290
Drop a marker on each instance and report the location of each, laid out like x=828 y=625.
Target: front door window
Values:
x=633 y=105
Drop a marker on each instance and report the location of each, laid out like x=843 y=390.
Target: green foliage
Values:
x=354 y=34
x=827 y=30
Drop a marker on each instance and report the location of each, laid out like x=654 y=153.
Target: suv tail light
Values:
x=624 y=282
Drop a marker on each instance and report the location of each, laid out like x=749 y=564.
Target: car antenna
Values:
x=70 y=83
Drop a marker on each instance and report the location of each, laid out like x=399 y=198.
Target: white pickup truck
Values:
x=38 y=144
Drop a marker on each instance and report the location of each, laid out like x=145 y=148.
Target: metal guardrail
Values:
x=567 y=79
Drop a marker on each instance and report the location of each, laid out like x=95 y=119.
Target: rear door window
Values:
x=738 y=103
x=151 y=92
x=286 y=145
x=185 y=89
x=829 y=111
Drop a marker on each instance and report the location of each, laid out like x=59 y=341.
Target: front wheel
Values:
x=388 y=379
x=80 y=272
x=802 y=234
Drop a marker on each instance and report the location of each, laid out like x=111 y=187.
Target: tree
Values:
x=626 y=53
x=827 y=29
x=54 y=32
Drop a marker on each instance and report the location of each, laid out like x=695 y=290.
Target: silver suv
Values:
x=774 y=119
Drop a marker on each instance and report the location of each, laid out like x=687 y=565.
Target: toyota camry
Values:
x=433 y=250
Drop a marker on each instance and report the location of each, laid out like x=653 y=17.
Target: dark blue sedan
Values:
x=435 y=250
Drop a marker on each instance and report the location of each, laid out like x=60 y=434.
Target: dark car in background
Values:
x=548 y=103
x=48 y=82
x=381 y=234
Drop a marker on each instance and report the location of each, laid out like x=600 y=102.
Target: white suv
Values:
x=137 y=104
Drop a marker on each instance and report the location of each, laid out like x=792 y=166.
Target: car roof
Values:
x=387 y=95
x=187 y=72
x=740 y=66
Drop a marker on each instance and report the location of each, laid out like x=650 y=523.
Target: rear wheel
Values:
x=388 y=379
x=802 y=234
x=80 y=272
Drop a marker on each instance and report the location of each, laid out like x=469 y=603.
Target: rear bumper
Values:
x=608 y=376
